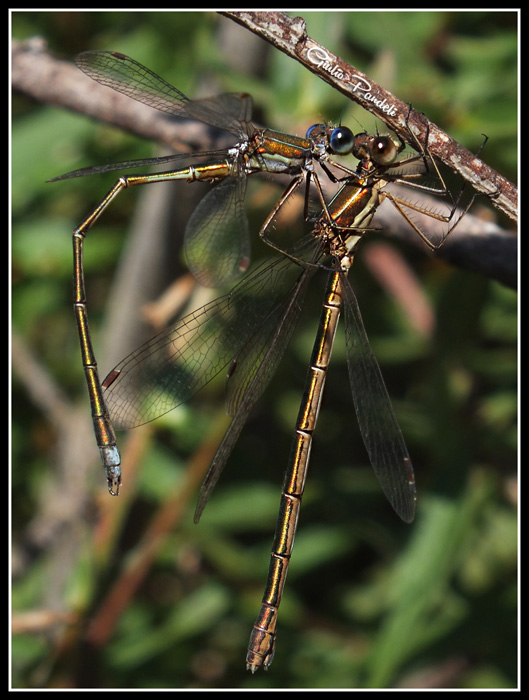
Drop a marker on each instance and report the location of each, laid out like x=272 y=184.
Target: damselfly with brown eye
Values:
x=336 y=236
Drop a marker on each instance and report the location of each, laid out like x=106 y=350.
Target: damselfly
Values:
x=337 y=234
x=248 y=329
x=217 y=242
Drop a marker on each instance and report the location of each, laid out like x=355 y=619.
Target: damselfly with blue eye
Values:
x=217 y=241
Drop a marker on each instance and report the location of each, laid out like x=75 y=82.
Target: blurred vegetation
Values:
x=369 y=602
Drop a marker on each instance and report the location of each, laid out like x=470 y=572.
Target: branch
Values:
x=290 y=36
x=46 y=79
x=35 y=73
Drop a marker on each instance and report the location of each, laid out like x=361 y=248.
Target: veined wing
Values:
x=123 y=74
x=217 y=238
x=252 y=371
x=379 y=428
x=175 y=364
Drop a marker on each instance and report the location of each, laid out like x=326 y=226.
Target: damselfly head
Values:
x=382 y=150
x=336 y=140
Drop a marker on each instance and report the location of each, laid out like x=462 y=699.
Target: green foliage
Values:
x=369 y=602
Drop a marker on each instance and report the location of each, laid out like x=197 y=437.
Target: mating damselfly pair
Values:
x=246 y=331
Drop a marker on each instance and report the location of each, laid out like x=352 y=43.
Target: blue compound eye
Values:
x=316 y=131
x=342 y=140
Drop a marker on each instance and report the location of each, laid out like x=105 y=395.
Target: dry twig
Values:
x=480 y=246
x=290 y=36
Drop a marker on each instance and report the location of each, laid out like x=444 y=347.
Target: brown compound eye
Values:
x=383 y=150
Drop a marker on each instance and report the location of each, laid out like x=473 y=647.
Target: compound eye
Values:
x=316 y=131
x=383 y=150
x=342 y=141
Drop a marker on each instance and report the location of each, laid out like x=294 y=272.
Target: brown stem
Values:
x=290 y=36
x=39 y=75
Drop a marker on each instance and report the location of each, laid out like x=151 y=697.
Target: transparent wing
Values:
x=175 y=364
x=251 y=373
x=379 y=428
x=125 y=75
x=217 y=239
